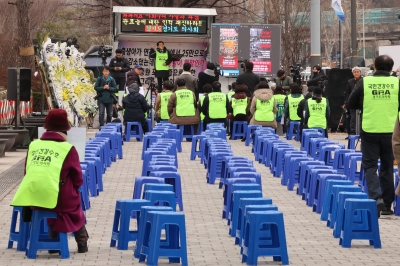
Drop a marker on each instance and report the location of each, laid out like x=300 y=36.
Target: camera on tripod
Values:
x=150 y=81
x=295 y=73
x=217 y=70
x=104 y=52
x=323 y=81
x=243 y=63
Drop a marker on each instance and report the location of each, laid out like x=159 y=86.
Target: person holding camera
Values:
x=248 y=78
x=283 y=80
x=119 y=65
x=317 y=111
x=161 y=56
x=317 y=73
x=206 y=77
x=105 y=87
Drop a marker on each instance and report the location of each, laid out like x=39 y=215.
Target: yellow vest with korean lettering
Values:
x=164 y=97
x=265 y=110
x=293 y=104
x=160 y=60
x=239 y=106
x=317 y=113
x=381 y=104
x=217 y=105
x=41 y=183
x=184 y=103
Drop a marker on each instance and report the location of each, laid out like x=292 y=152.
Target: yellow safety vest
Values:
x=184 y=103
x=317 y=113
x=217 y=105
x=265 y=110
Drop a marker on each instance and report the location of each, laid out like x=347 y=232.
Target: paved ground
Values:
x=309 y=241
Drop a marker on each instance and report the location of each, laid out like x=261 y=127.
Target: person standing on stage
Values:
x=161 y=69
x=119 y=65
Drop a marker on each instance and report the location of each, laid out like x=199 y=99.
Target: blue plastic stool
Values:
x=293 y=174
x=328 y=197
x=351 y=143
x=133 y=130
x=187 y=132
x=322 y=179
x=163 y=168
x=289 y=160
x=255 y=175
x=116 y=143
x=350 y=166
x=357 y=225
x=252 y=248
x=226 y=172
x=249 y=133
x=201 y=127
x=21 y=237
x=157 y=187
x=215 y=165
x=239 y=129
x=326 y=152
x=122 y=216
x=236 y=169
x=242 y=223
x=140 y=181
x=142 y=224
x=277 y=165
x=243 y=202
x=259 y=151
x=303 y=171
x=307 y=136
x=36 y=243
x=166 y=197
x=231 y=187
x=293 y=131
x=271 y=146
x=314 y=146
x=338 y=160
x=258 y=137
x=234 y=207
x=194 y=151
x=149 y=125
x=305 y=132
x=174 y=179
x=152 y=246
x=148 y=140
x=371 y=234
x=336 y=189
x=312 y=185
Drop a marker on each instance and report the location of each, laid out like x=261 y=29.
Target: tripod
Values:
x=151 y=88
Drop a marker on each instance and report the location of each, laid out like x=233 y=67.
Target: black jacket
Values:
x=356 y=98
x=300 y=107
x=315 y=79
x=206 y=104
x=249 y=79
x=135 y=106
x=203 y=79
x=133 y=77
x=351 y=83
x=119 y=62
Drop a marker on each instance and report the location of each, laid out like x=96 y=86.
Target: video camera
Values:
x=295 y=73
x=323 y=81
x=217 y=70
x=150 y=81
x=243 y=63
x=104 y=52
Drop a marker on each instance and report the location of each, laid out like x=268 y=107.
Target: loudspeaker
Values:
x=335 y=92
x=25 y=84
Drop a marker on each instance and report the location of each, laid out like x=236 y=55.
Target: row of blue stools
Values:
x=325 y=173
x=99 y=153
x=155 y=197
x=256 y=224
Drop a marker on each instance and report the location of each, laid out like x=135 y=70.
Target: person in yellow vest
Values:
x=161 y=105
x=379 y=98
x=161 y=58
x=280 y=96
x=52 y=178
x=207 y=88
x=239 y=105
x=215 y=106
x=316 y=111
x=291 y=103
x=232 y=90
x=263 y=106
x=182 y=106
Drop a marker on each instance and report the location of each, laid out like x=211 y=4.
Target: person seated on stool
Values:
x=182 y=106
x=239 y=105
x=135 y=107
x=53 y=184
x=317 y=111
x=291 y=103
x=300 y=108
x=280 y=96
x=207 y=88
x=263 y=106
x=161 y=105
x=215 y=106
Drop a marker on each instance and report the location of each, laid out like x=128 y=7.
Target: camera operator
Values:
x=133 y=76
x=283 y=80
x=206 y=77
x=161 y=56
x=248 y=78
x=119 y=65
x=316 y=76
x=351 y=115
x=105 y=86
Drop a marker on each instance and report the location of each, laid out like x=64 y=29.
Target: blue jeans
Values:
x=102 y=107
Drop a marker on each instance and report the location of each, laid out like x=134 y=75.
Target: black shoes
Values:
x=380 y=206
x=82 y=248
x=387 y=211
